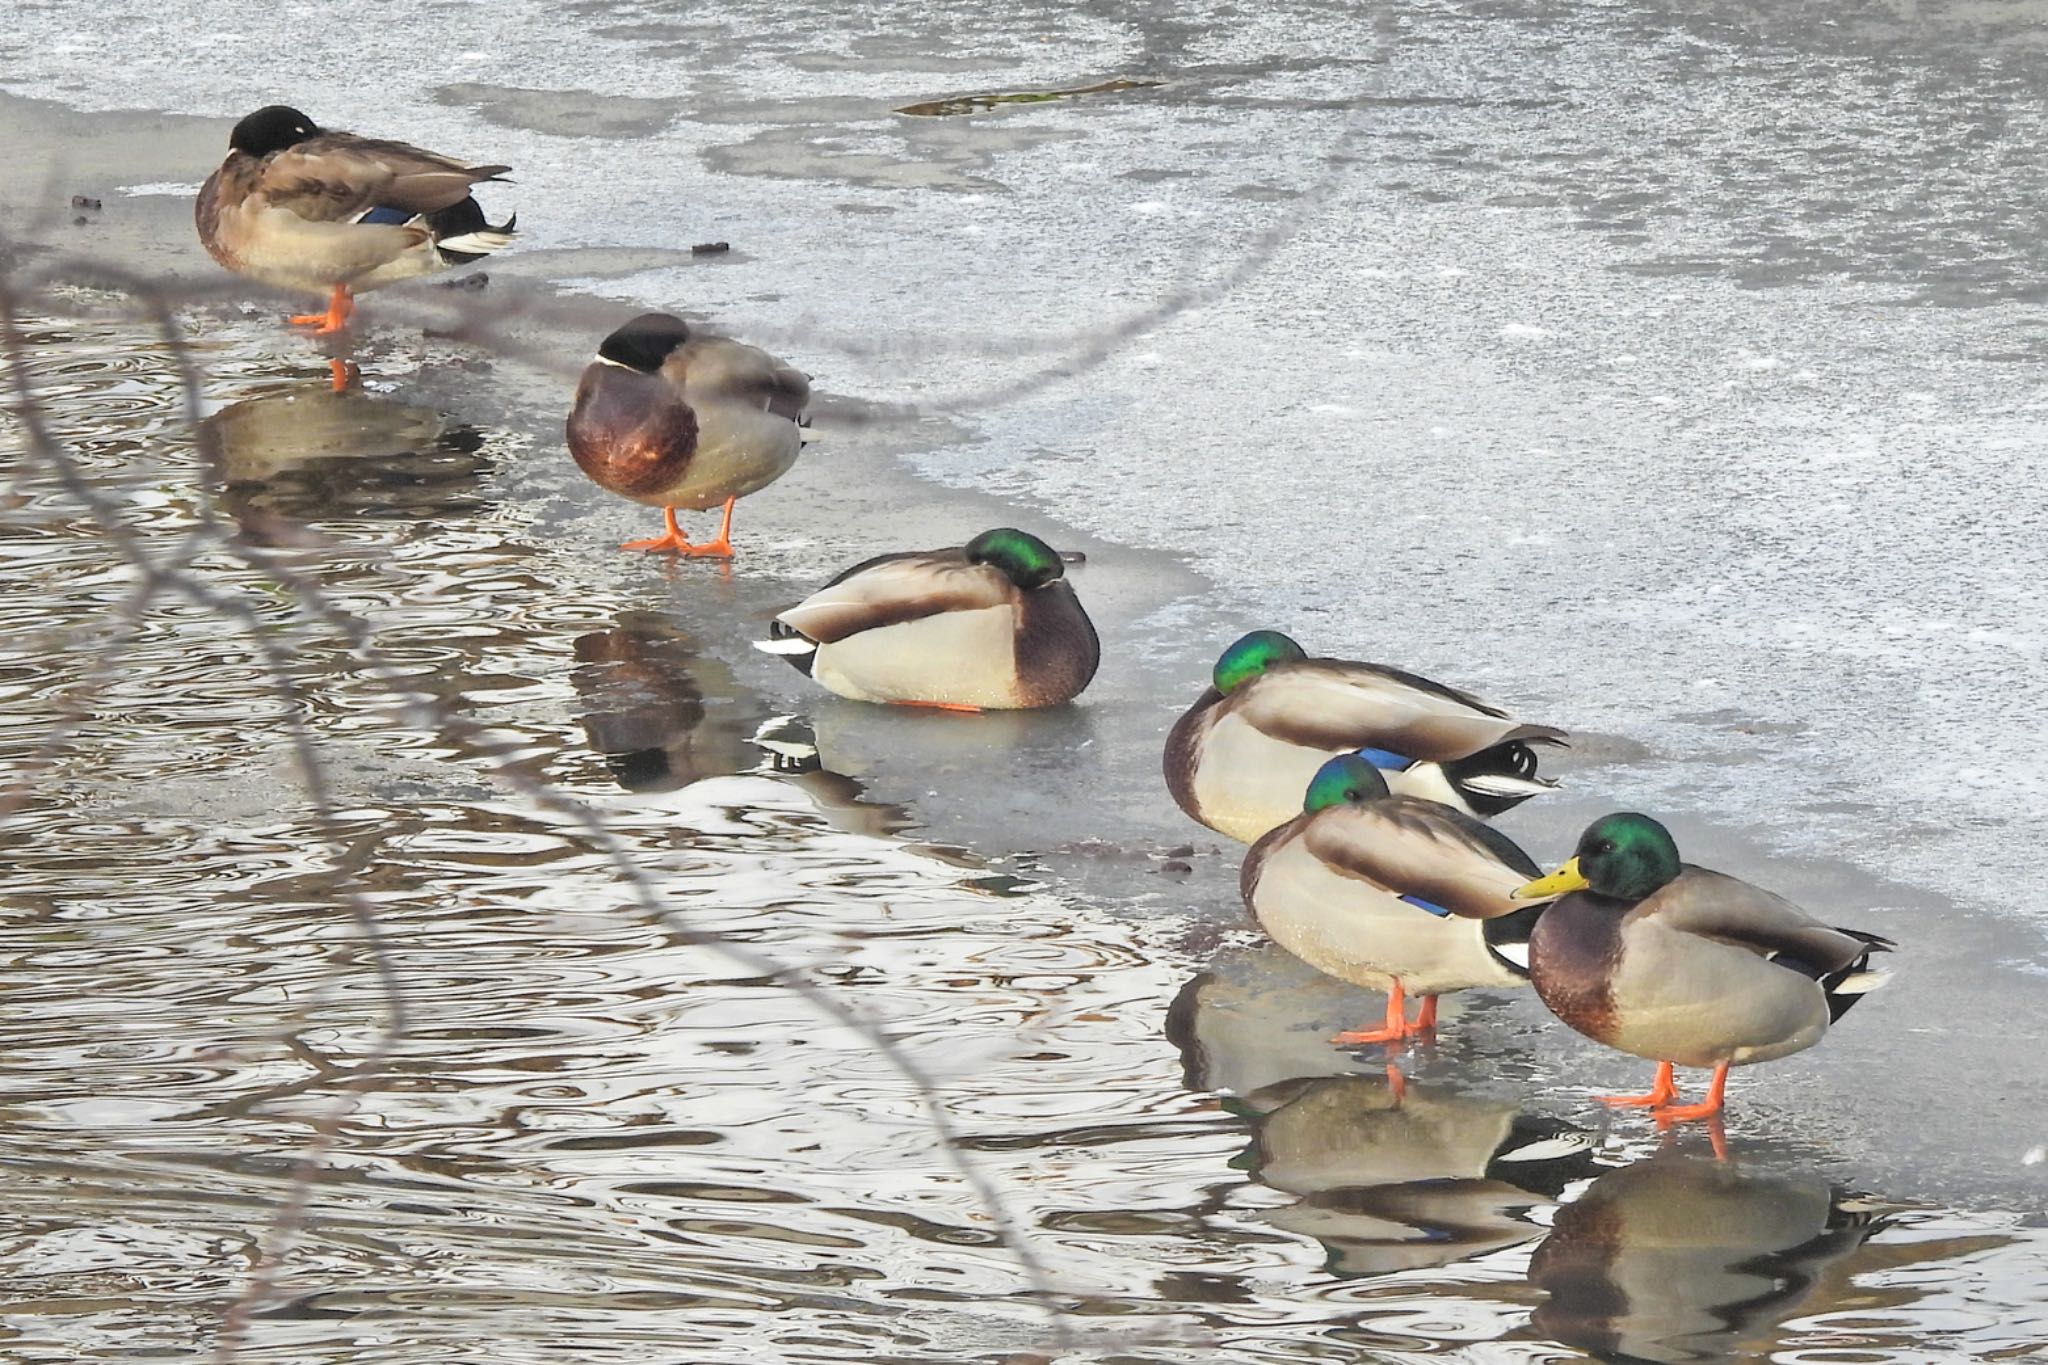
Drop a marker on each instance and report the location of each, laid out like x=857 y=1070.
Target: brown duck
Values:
x=675 y=418
x=305 y=207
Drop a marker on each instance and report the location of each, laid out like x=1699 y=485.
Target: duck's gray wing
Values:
x=1332 y=704
x=894 y=589
x=333 y=177
x=1729 y=910
x=1423 y=850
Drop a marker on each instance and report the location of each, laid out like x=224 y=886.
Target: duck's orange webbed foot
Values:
x=961 y=707
x=719 y=546
x=671 y=538
x=1705 y=1109
x=1663 y=1090
x=335 y=319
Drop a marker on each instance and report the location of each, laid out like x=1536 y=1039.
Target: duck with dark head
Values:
x=304 y=207
x=676 y=418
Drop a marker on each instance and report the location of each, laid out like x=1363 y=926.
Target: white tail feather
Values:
x=788 y=644
x=481 y=243
x=1516 y=953
x=1860 y=983
x=1502 y=784
x=1550 y=1148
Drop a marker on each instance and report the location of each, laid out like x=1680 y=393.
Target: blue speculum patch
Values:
x=1431 y=906
x=1386 y=760
x=381 y=215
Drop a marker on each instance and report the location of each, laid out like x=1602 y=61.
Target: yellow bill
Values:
x=1566 y=879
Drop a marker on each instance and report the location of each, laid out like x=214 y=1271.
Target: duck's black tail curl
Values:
x=1497 y=779
x=795 y=648
x=1845 y=987
x=462 y=235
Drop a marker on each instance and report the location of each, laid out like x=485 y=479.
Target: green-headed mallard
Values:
x=304 y=207
x=1681 y=965
x=1238 y=760
x=676 y=418
x=1385 y=892
x=992 y=626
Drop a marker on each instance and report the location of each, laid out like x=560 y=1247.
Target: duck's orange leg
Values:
x=341 y=372
x=719 y=547
x=1395 y=1029
x=1705 y=1109
x=339 y=306
x=1425 y=1018
x=1663 y=1090
x=1397 y=1084
x=960 y=706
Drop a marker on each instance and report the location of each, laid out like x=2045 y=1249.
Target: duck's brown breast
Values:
x=630 y=432
x=206 y=215
x=1183 y=752
x=1057 y=650
x=1573 y=955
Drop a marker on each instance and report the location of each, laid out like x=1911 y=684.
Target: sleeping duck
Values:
x=1678 y=964
x=1386 y=892
x=1238 y=760
x=993 y=625
x=672 y=417
x=304 y=207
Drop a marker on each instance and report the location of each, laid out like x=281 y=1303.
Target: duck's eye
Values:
x=1606 y=846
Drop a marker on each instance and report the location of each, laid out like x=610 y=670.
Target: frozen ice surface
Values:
x=1665 y=372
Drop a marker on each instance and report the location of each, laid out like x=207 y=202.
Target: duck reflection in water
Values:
x=1682 y=1258
x=1389 y=1174
x=663 y=714
x=1406 y=1177
x=642 y=688
x=305 y=452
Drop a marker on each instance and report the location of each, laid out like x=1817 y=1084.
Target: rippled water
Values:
x=599 y=1143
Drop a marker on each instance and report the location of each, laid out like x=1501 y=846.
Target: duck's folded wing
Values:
x=720 y=370
x=335 y=176
x=1332 y=704
x=893 y=589
x=1728 y=910
x=1424 y=851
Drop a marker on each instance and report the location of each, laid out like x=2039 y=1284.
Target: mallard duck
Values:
x=304 y=207
x=674 y=418
x=1237 y=761
x=1386 y=892
x=1681 y=965
x=993 y=625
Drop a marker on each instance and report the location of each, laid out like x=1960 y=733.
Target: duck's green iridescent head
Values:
x=1021 y=557
x=1346 y=780
x=1253 y=655
x=1625 y=855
